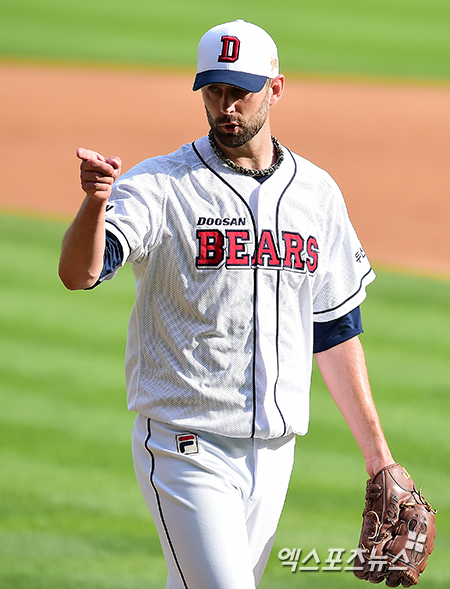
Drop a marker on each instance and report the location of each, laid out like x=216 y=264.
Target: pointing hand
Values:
x=98 y=173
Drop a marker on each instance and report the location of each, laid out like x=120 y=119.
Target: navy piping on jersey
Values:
x=275 y=388
x=349 y=298
x=278 y=355
x=118 y=229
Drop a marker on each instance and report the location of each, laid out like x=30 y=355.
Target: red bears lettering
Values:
x=237 y=248
x=266 y=253
x=211 y=248
x=294 y=247
x=234 y=248
x=313 y=252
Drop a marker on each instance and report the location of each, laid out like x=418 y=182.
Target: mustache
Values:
x=226 y=119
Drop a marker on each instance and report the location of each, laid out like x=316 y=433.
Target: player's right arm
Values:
x=81 y=260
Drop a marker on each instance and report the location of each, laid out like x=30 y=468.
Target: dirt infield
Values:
x=386 y=145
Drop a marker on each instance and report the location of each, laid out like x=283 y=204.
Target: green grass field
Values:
x=71 y=514
x=378 y=38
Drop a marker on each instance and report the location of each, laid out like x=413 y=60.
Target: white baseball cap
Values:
x=237 y=53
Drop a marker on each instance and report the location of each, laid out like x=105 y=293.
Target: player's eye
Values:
x=239 y=94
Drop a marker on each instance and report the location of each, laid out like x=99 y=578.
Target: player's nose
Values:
x=227 y=102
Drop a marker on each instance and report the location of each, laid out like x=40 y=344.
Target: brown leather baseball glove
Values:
x=398 y=530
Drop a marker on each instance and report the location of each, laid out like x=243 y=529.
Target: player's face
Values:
x=235 y=115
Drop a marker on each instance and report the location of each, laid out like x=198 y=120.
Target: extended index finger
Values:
x=88 y=154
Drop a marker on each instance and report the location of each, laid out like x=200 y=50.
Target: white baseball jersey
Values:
x=230 y=276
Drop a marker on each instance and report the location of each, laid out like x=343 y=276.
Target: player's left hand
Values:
x=398 y=530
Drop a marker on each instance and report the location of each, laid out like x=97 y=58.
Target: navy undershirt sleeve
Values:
x=331 y=333
x=112 y=257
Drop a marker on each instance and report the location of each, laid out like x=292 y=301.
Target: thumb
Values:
x=115 y=162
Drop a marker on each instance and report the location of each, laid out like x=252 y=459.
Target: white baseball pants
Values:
x=215 y=501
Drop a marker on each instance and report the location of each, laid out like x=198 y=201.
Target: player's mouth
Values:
x=230 y=127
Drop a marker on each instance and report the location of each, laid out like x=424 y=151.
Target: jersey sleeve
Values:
x=347 y=270
x=135 y=212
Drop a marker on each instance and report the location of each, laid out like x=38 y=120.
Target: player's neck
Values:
x=258 y=154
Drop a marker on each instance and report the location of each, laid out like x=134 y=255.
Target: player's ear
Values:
x=277 y=88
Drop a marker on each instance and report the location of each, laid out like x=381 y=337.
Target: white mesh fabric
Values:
x=228 y=349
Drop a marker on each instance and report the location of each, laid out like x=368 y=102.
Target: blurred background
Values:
x=367 y=98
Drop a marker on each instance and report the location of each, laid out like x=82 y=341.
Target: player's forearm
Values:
x=344 y=372
x=83 y=246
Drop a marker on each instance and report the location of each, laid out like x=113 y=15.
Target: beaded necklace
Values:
x=248 y=171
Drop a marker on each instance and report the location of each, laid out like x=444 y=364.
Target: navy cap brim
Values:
x=249 y=82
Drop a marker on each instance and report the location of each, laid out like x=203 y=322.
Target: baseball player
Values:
x=246 y=264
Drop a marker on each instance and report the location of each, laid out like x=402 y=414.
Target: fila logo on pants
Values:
x=187 y=443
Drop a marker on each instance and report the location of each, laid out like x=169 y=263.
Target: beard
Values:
x=247 y=128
